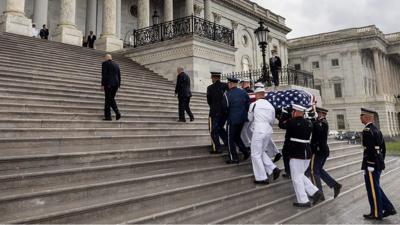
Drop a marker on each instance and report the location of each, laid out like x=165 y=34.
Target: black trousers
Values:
x=275 y=77
x=216 y=126
x=110 y=102
x=286 y=159
x=234 y=140
x=184 y=106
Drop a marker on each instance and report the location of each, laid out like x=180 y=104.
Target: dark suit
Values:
x=275 y=64
x=320 y=153
x=215 y=97
x=182 y=89
x=374 y=156
x=44 y=34
x=236 y=105
x=111 y=81
x=91 y=40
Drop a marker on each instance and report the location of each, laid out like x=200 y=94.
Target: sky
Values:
x=307 y=17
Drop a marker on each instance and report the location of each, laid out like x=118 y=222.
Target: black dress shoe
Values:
x=389 y=213
x=107 y=119
x=285 y=175
x=118 y=116
x=277 y=157
x=302 y=205
x=265 y=182
x=317 y=197
x=276 y=173
x=181 y=121
x=371 y=217
x=232 y=161
x=336 y=190
x=192 y=119
x=246 y=156
x=216 y=152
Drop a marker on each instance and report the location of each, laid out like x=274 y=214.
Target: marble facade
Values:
x=353 y=68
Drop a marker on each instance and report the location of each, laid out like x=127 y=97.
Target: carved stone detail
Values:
x=198 y=9
x=217 y=17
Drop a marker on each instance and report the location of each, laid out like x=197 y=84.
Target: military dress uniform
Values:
x=372 y=165
x=262 y=117
x=298 y=133
x=236 y=105
x=217 y=117
x=320 y=153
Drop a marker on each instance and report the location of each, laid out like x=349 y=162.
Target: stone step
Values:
x=94 y=132
x=44 y=115
x=138 y=104
x=129 y=208
x=26 y=91
x=143 y=111
x=349 y=201
x=279 y=209
x=87 y=194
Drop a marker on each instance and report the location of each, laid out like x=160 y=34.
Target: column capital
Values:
x=14 y=20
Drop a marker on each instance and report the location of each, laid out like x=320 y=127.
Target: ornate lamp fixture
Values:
x=156 y=18
x=262 y=35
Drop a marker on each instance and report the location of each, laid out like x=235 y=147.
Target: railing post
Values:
x=134 y=38
x=215 y=31
x=192 y=17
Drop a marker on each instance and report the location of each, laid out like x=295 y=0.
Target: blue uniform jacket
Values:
x=236 y=105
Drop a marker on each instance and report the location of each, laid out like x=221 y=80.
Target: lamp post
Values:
x=262 y=35
x=156 y=18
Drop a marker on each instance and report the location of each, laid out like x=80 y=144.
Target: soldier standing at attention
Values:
x=236 y=105
x=298 y=132
x=320 y=153
x=217 y=117
x=373 y=163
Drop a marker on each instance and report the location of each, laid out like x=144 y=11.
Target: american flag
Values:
x=285 y=99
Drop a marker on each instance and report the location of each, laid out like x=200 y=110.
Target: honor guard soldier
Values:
x=217 y=117
x=262 y=117
x=298 y=132
x=320 y=153
x=373 y=164
x=236 y=105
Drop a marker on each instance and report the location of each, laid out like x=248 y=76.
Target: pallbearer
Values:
x=217 y=117
x=320 y=153
x=298 y=133
x=373 y=164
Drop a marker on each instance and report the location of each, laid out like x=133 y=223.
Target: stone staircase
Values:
x=59 y=163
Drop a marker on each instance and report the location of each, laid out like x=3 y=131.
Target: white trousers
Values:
x=269 y=146
x=262 y=164
x=302 y=185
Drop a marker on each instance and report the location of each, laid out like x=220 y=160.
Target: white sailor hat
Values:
x=298 y=108
x=245 y=80
x=259 y=84
x=259 y=89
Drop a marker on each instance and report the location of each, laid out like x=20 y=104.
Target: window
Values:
x=315 y=65
x=340 y=122
x=335 y=62
x=338 y=90
x=297 y=66
x=318 y=87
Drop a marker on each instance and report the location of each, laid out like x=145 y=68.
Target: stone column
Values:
x=143 y=13
x=189 y=5
x=108 y=40
x=207 y=11
x=378 y=71
x=66 y=31
x=384 y=73
x=91 y=16
x=168 y=10
x=13 y=20
x=40 y=13
x=118 y=18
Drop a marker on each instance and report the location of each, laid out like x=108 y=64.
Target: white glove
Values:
x=370 y=169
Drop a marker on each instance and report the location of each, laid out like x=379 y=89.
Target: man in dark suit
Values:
x=275 y=64
x=44 y=32
x=91 y=39
x=236 y=105
x=217 y=117
x=182 y=89
x=373 y=163
x=110 y=82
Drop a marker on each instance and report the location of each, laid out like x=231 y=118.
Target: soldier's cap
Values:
x=322 y=110
x=369 y=112
x=215 y=74
x=245 y=80
x=298 y=108
x=259 y=84
x=233 y=79
x=259 y=89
